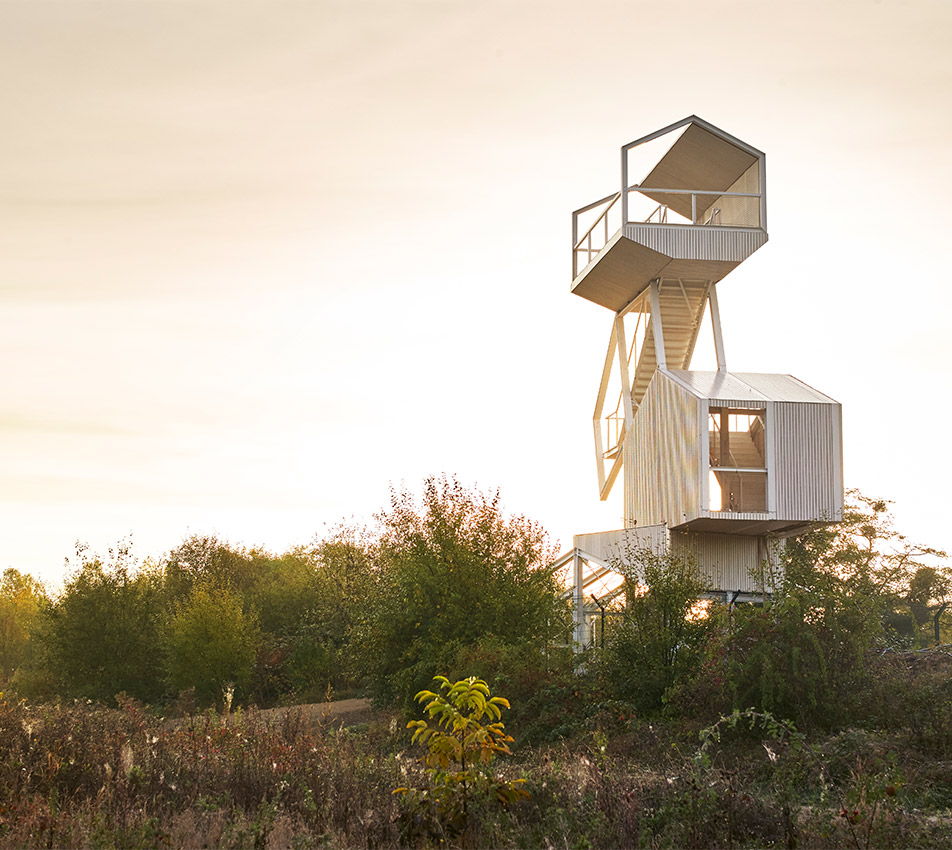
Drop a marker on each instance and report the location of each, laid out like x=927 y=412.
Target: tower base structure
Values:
x=733 y=568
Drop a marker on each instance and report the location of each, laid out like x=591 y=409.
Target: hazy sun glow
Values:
x=260 y=260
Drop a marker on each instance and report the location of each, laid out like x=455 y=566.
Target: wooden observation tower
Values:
x=717 y=465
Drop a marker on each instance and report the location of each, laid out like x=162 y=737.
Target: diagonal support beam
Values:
x=716 y=326
x=622 y=348
x=609 y=480
x=656 y=329
x=599 y=406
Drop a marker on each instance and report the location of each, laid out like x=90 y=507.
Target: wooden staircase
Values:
x=682 y=309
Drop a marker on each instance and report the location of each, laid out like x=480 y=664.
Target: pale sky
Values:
x=259 y=260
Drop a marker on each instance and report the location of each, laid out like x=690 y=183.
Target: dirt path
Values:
x=350 y=710
x=347 y=711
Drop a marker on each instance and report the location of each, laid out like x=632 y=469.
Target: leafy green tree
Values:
x=275 y=591
x=453 y=572
x=802 y=657
x=204 y=559
x=22 y=600
x=102 y=633
x=341 y=580
x=844 y=590
x=279 y=591
x=659 y=637
x=211 y=643
x=864 y=562
x=282 y=590
x=930 y=592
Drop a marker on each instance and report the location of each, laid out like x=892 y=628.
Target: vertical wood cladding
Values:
x=662 y=457
x=808 y=461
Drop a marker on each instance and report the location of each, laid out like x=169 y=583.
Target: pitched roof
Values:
x=748 y=386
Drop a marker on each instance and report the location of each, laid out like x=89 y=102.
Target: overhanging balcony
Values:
x=699 y=212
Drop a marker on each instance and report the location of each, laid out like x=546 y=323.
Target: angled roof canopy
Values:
x=703 y=158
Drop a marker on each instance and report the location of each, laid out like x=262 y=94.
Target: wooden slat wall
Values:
x=726 y=561
x=808 y=461
x=662 y=457
x=697 y=242
x=736 y=212
x=612 y=546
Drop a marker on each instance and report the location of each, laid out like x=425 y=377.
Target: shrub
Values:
x=658 y=639
x=211 y=643
x=22 y=601
x=453 y=573
x=102 y=634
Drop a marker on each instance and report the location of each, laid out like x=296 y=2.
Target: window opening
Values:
x=738 y=474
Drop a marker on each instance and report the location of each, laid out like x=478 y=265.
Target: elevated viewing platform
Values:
x=700 y=211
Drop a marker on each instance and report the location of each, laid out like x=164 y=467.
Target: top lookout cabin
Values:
x=698 y=213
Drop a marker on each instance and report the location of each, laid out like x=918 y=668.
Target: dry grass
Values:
x=83 y=776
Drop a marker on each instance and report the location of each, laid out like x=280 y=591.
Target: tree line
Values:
x=821 y=651
x=449 y=584
x=376 y=609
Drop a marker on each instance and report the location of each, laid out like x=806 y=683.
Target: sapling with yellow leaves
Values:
x=463 y=736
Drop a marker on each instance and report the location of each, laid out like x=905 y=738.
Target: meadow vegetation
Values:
x=132 y=712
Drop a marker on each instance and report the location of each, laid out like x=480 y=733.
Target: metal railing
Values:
x=736 y=209
x=589 y=249
x=614 y=431
x=742 y=490
x=751 y=211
